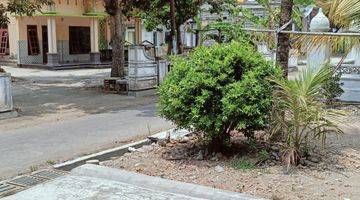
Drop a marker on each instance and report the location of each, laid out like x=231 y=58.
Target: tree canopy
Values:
x=20 y=7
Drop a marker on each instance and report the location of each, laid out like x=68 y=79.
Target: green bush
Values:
x=217 y=90
x=331 y=89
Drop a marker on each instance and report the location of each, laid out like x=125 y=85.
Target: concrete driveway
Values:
x=64 y=114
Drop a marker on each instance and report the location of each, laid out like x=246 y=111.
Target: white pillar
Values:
x=293 y=60
x=94 y=41
x=319 y=54
x=52 y=42
x=262 y=48
x=94 y=35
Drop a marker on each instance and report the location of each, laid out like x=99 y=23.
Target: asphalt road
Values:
x=29 y=146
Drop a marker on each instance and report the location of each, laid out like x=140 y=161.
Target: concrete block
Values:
x=158 y=184
x=6 y=103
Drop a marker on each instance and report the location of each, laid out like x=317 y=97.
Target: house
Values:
x=67 y=34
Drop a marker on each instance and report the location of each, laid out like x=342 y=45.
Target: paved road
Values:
x=25 y=147
x=351 y=87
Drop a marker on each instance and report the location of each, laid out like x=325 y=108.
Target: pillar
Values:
x=293 y=60
x=94 y=40
x=53 y=56
x=138 y=31
x=319 y=54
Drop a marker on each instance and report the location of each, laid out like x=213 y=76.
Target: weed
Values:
x=33 y=168
x=50 y=162
x=241 y=164
x=240 y=187
x=263 y=155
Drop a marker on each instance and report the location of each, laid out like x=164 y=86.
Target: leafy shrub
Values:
x=331 y=89
x=299 y=114
x=217 y=90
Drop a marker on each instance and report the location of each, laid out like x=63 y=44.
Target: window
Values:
x=79 y=40
x=33 y=40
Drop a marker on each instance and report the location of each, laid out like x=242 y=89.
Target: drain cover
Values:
x=6 y=189
x=49 y=174
x=26 y=181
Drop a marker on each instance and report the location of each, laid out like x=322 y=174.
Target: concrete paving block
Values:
x=158 y=184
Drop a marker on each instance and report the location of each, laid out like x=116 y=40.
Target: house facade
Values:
x=68 y=33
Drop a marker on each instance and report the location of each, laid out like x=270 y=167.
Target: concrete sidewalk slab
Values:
x=102 y=183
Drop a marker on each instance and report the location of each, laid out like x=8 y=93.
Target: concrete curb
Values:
x=8 y=115
x=107 y=154
x=156 y=183
x=101 y=156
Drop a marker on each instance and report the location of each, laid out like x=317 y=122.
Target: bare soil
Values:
x=332 y=172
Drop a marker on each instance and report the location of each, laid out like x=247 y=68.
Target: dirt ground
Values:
x=334 y=173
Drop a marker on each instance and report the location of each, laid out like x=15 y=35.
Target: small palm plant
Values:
x=299 y=113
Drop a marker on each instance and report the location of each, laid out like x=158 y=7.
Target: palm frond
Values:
x=299 y=113
x=342 y=13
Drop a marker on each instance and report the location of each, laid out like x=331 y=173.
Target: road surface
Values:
x=25 y=147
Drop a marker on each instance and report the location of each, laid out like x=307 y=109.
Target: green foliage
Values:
x=332 y=87
x=158 y=12
x=50 y=162
x=217 y=90
x=129 y=8
x=34 y=168
x=299 y=115
x=241 y=164
x=263 y=154
x=20 y=7
x=227 y=32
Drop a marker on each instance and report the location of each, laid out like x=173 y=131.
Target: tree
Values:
x=114 y=9
x=118 y=10
x=287 y=9
x=159 y=13
x=24 y=7
x=283 y=41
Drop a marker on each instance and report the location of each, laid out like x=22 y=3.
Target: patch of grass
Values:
x=34 y=168
x=242 y=164
x=263 y=154
x=50 y=162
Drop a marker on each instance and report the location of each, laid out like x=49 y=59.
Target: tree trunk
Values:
x=220 y=143
x=179 y=43
x=197 y=38
x=117 y=35
x=173 y=25
x=283 y=41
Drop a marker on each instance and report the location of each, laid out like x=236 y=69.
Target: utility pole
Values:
x=173 y=27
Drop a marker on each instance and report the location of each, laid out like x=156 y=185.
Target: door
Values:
x=45 y=45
